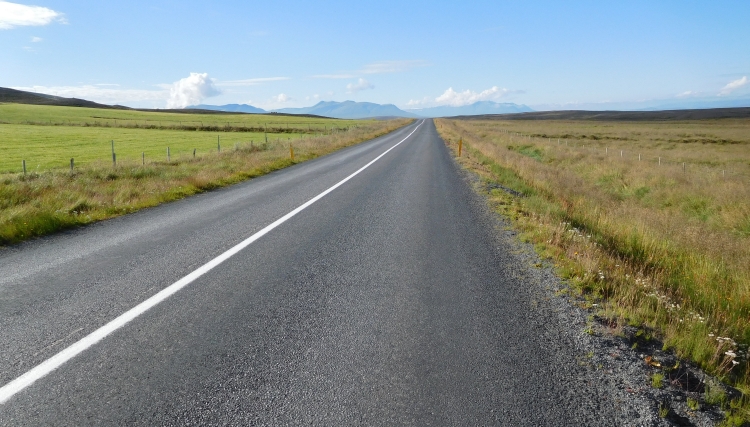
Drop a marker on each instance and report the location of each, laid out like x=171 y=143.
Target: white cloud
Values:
x=732 y=86
x=100 y=94
x=17 y=15
x=281 y=100
x=687 y=94
x=36 y=39
x=457 y=99
x=415 y=103
x=383 y=67
x=362 y=84
x=191 y=90
x=251 y=82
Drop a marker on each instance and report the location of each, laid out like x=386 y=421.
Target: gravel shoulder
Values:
x=616 y=364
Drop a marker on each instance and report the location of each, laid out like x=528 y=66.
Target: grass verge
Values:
x=37 y=204
x=653 y=245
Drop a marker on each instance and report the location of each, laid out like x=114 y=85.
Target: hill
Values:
x=697 y=114
x=14 y=96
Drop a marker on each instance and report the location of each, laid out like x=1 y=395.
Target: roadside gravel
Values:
x=613 y=361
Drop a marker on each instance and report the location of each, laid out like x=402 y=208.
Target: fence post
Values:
x=71 y=164
x=168 y=157
x=193 y=152
x=659 y=161
x=218 y=143
x=143 y=158
x=24 y=166
x=114 y=157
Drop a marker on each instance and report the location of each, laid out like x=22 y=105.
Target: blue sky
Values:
x=546 y=54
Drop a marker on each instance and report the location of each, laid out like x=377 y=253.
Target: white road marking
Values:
x=54 y=362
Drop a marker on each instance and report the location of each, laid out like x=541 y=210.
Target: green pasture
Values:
x=52 y=147
x=47 y=137
x=77 y=116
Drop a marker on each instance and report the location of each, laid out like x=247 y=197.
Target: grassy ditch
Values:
x=648 y=220
x=45 y=201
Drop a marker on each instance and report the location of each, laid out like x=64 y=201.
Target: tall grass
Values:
x=40 y=203
x=659 y=245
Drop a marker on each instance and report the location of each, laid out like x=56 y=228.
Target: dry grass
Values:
x=665 y=246
x=41 y=203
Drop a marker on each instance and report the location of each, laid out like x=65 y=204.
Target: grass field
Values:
x=50 y=197
x=649 y=220
x=78 y=116
x=48 y=137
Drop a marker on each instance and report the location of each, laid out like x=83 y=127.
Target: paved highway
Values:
x=387 y=301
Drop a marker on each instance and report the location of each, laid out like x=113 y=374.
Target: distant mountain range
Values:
x=480 y=107
x=363 y=110
x=350 y=110
x=231 y=108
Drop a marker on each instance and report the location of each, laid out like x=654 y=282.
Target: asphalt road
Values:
x=387 y=302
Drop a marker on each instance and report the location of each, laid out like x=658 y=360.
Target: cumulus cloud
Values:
x=414 y=103
x=191 y=90
x=732 y=86
x=36 y=39
x=18 y=15
x=101 y=93
x=362 y=84
x=281 y=100
x=457 y=99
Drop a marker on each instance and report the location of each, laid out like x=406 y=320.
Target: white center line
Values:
x=54 y=362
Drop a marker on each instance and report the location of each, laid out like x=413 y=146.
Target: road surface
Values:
x=387 y=301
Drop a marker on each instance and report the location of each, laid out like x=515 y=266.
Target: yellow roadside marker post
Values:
x=460 y=144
